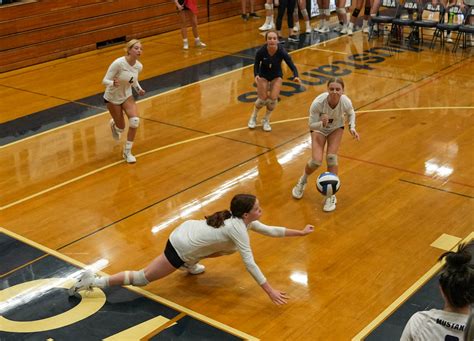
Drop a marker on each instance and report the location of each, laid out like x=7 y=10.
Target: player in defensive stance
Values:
x=326 y=123
x=119 y=79
x=222 y=233
x=268 y=76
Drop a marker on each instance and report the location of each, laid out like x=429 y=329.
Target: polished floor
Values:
x=406 y=184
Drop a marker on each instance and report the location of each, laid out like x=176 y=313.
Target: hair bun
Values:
x=458 y=259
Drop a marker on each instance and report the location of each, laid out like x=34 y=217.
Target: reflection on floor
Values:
x=34 y=304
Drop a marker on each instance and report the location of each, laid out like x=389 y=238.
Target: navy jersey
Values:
x=269 y=67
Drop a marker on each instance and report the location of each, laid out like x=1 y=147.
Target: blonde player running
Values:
x=326 y=123
x=119 y=79
x=222 y=233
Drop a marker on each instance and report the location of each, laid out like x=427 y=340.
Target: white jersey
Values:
x=433 y=325
x=337 y=115
x=194 y=240
x=127 y=76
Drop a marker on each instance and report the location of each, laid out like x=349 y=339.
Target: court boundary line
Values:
x=405 y=295
x=154 y=297
x=97 y=170
x=437 y=189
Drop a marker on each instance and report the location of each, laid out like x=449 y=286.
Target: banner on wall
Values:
x=314 y=9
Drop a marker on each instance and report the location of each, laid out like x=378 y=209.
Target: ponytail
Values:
x=217 y=219
x=240 y=204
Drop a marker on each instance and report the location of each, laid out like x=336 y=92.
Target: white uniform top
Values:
x=194 y=240
x=433 y=325
x=127 y=76
x=337 y=115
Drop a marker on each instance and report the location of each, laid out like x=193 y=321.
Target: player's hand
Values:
x=297 y=79
x=355 y=134
x=278 y=297
x=141 y=92
x=116 y=82
x=325 y=120
x=308 y=229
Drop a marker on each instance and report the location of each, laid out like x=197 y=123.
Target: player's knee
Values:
x=136 y=278
x=259 y=103
x=134 y=122
x=331 y=159
x=313 y=164
x=355 y=12
x=271 y=104
x=341 y=10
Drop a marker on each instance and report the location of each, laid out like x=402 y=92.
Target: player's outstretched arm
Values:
x=299 y=233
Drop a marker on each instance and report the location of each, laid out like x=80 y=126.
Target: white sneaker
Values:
x=344 y=30
x=448 y=38
x=83 y=283
x=308 y=29
x=349 y=31
x=266 y=125
x=186 y=46
x=194 y=269
x=296 y=27
x=298 y=190
x=115 y=134
x=199 y=43
x=324 y=29
x=330 y=204
x=252 y=122
x=129 y=157
x=365 y=29
x=266 y=27
x=338 y=28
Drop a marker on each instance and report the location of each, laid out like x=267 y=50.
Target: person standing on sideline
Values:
x=456 y=283
x=222 y=233
x=268 y=77
x=304 y=12
x=246 y=15
x=121 y=76
x=326 y=123
x=188 y=8
x=268 y=24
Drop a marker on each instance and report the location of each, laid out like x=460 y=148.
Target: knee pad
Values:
x=367 y=11
x=313 y=164
x=304 y=12
x=259 y=103
x=136 y=278
x=271 y=104
x=134 y=122
x=331 y=159
x=269 y=6
x=327 y=12
x=341 y=10
x=355 y=12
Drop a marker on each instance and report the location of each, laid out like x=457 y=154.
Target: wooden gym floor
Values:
x=66 y=192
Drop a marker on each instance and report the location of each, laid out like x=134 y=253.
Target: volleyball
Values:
x=328 y=183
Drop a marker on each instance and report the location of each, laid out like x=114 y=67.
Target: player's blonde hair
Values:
x=130 y=44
